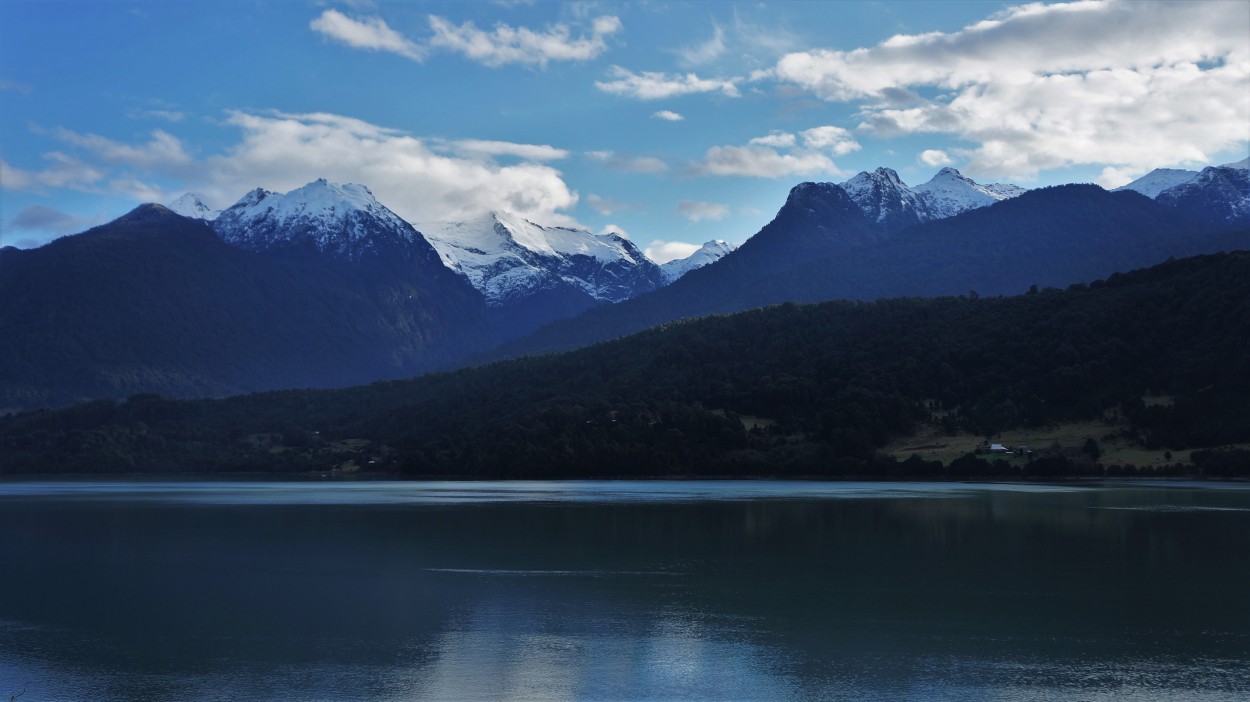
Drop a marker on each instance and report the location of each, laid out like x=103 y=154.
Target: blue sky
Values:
x=672 y=122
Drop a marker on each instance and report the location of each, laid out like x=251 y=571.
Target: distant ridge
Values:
x=820 y=247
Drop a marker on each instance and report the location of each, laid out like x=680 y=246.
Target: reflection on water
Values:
x=623 y=590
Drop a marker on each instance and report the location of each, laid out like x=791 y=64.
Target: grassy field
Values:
x=931 y=444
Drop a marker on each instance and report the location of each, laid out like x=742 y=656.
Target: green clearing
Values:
x=931 y=444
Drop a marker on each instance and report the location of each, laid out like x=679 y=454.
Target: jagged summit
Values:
x=710 y=252
x=809 y=189
x=192 y=205
x=892 y=205
x=329 y=217
x=1158 y=180
x=509 y=258
x=885 y=199
x=950 y=192
x=1217 y=194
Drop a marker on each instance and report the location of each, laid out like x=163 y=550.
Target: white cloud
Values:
x=763 y=162
x=1112 y=177
x=139 y=190
x=779 y=154
x=165 y=115
x=614 y=229
x=14 y=178
x=370 y=33
x=506 y=44
x=163 y=152
x=768 y=41
x=667 y=115
x=781 y=140
x=833 y=138
x=705 y=52
x=284 y=151
x=419 y=180
x=62 y=171
x=606 y=206
x=1040 y=86
x=697 y=211
x=650 y=85
x=662 y=251
x=529 y=152
x=935 y=158
x=629 y=164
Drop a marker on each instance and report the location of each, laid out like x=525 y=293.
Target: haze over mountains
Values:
x=326 y=286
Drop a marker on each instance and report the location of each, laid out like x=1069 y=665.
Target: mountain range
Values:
x=1218 y=195
x=326 y=286
x=157 y=302
x=888 y=202
x=821 y=247
x=788 y=390
x=531 y=274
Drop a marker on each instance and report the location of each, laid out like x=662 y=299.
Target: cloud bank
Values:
x=654 y=85
x=780 y=154
x=369 y=33
x=502 y=45
x=1135 y=85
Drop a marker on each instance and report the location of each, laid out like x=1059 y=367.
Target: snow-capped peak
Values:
x=192 y=205
x=508 y=257
x=1242 y=165
x=884 y=198
x=342 y=218
x=1158 y=180
x=950 y=192
x=710 y=252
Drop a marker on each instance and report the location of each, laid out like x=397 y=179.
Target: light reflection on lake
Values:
x=623 y=590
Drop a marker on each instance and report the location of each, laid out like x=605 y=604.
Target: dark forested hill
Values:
x=792 y=389
x=819 y=249
x=156 y=302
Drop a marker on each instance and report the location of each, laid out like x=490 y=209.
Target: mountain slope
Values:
x=710 y=252
x=157 y=302
x=507 y=257
x=949 y=193
x=192 y=205
x=794 y=389
x=335 y=219
x=1158 y=180
x=1053 y=236
x=817 y=221
x=531 y=274
x=1219 y=195
x=885 y=199
x=888 y=202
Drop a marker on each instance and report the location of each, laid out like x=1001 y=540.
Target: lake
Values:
x=753 y=590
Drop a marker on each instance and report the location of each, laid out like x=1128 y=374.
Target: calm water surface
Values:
x=623 y=590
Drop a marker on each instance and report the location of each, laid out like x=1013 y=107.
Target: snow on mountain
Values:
x=885 y=199
x=710 y=252
x=509 y=258
x=344 y=219
x=1242 y=165
x=950 y=192
x=1158 y=180
x=1218 y=194
x=192 y=205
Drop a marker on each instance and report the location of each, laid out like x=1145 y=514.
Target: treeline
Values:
x=787 y=390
